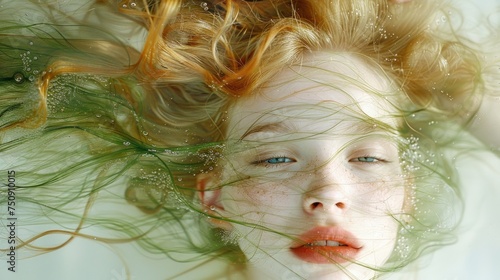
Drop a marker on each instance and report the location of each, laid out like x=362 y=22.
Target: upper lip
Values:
x=321 y=233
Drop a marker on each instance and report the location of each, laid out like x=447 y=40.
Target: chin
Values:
x=281 y=266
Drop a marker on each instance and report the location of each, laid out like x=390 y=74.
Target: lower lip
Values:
x=325 y=254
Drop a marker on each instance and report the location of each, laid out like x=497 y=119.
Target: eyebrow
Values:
x=267 y=127
x=365 y=128
x=352 y=128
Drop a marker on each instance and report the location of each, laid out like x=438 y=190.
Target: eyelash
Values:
x=265 y=162
x=372 y=159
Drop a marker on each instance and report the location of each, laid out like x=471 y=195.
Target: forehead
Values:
x=339 y=86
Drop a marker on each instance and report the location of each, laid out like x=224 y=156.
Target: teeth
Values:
x=332 y=243
x=319 y=243
x=325 y=243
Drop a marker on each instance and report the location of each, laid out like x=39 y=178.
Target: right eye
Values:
x=367 y=159
x=276 y=160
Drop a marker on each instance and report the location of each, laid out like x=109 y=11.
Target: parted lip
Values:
x=324 y=245
x=336 y=234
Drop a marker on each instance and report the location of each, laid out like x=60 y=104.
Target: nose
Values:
x=327 y=191
x=326 y=199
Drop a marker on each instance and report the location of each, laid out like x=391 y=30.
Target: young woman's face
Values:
x=311 y=179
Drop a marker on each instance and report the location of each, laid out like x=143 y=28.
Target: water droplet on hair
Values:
x=31 y=43
x=204 y=6
x=145 y=133
x=133 y=4
x=212 y=207
x=126 y=143
x=18 y=78
x=31 y=78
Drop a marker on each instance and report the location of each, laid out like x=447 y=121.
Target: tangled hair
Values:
x=84 y=111
x=433 y=66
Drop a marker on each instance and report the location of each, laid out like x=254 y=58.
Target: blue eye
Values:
x=274 y=161
x=278 y=160
x=366 y=159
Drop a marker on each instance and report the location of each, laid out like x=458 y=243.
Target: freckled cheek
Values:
x=396 y=195
x=256 y=196
x=383 y=197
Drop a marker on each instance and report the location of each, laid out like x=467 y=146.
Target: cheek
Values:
x=248 y=197
x=385 y=196
x=385 y=208
x=396 y=196
x=381 y=222
x=259 y=201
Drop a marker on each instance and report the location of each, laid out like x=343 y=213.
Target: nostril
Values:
x=315 y=205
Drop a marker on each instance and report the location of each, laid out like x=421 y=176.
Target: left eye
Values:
x=366 y=159
x=278 y=160
x=275 y=160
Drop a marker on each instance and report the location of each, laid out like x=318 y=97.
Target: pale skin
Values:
x=303 y=164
